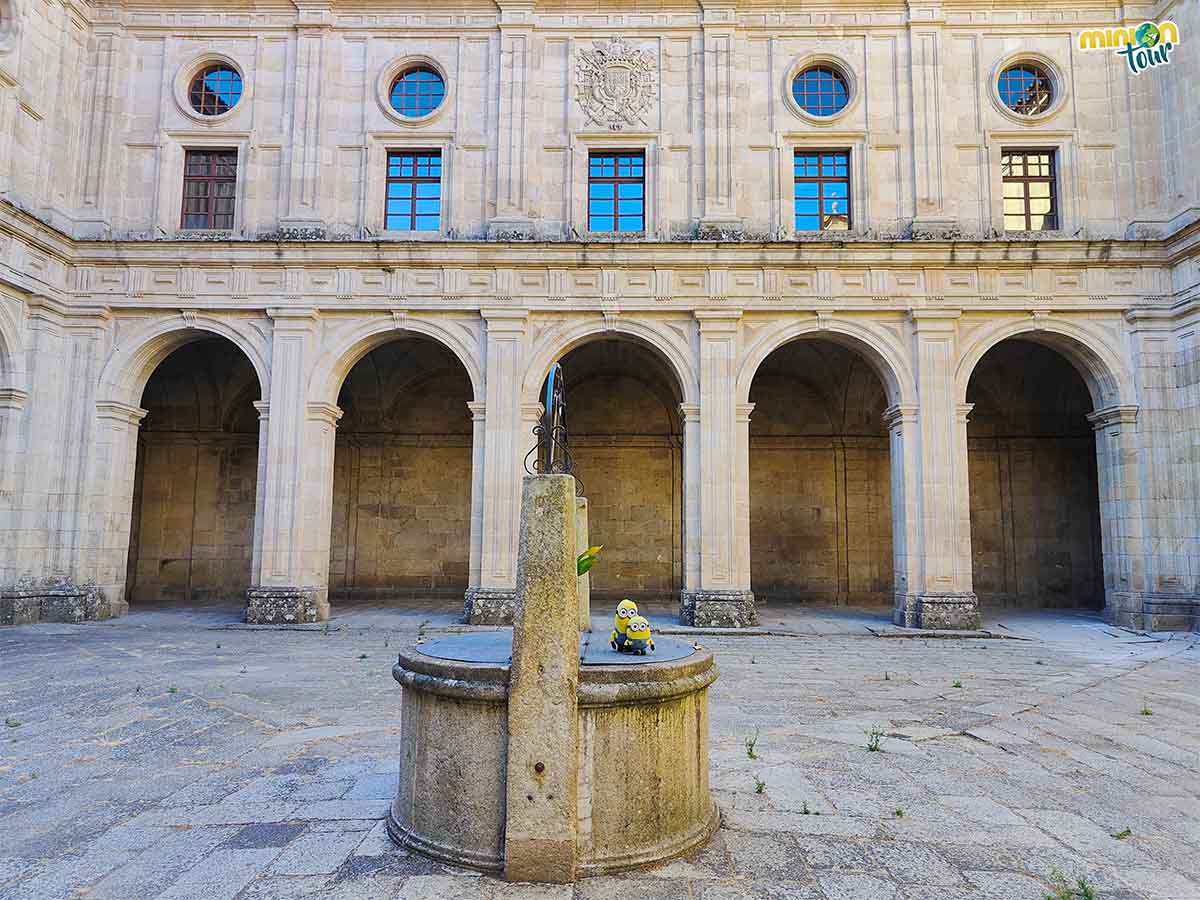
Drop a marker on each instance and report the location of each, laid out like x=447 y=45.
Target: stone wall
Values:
x=820 y=482
x=402 y=476
x=1035 y=524
x=193 y=527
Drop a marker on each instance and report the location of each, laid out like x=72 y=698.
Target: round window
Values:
x=821 y=91
x=417 y=92
x=1025 y=88
x=215 y=90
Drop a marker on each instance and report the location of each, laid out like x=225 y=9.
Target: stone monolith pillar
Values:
x=583 y=584
x=543 y=727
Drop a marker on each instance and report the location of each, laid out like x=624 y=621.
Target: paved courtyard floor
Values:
x=173 y=755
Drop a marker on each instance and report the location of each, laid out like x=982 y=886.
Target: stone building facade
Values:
x=297 y=391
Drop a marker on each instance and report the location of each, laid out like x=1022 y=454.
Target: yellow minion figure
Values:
x=626 y=610
x=637 y=635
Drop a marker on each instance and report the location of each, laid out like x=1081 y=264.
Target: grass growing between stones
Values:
x=1145 y=710
x=760 y=786
x=750 y=744
x=874 y=737
x=1064 y=890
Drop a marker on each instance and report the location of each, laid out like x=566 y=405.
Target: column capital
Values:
x=741 y=412
x=532 y=411
x=478 y=409
x=934 y=320
x=507 y=323
x=963 y=411
x=690 y=412
x=114 y=411
x=263 y=408
x=327 y=413
x=12 y=398
x=1113 y=416
x=899 y=414
x=718 y=321
x=293 y=318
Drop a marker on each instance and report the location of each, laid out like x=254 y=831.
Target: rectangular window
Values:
x=1030 y=193
x=822 y=190
x=414 y=191
x=617 y=191
x=209 y=188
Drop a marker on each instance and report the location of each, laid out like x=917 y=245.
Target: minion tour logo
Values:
x=1143 y=47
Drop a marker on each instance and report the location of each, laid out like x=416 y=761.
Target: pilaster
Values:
x=513 y=220
x=719 y=219
x=303 y=216
x=925 y=51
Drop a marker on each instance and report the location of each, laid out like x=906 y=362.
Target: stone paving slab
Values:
x=159 y=758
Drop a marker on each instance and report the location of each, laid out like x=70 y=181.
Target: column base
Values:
x=1153 y=612
x=56 y=601
x=285 y=605
x=717 y=609
x=957 y=611
x=489 y=606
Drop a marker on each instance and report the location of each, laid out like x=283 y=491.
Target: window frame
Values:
x=616 y=180
x=414 y=179
x=187 y=73
x=1053 y=179
x=820 y=180
x=212 y=180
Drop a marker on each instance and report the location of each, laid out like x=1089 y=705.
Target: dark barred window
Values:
x=1030 y=194
x=617 y=191
x=1026 y=89
x=209 y=188
x=216 y=90
x=414 y=191
x=822 y=190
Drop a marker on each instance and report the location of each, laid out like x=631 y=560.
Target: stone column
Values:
x=12 y=454
x=933 y=543
x=690 y=413
x=542 y=786
x=583 y=584
x=478 y=411
x=723 y=598
x=1122 y=533
x=507 y=437
x=289 y=581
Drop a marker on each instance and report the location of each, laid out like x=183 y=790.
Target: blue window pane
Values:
x=429 y=207
x=807 y=223
x=806 y=206
x=601 y=207
x=429 y=189
x=631 y=223
x=820 y=91
x=835 y=189
x=418 y=92
x=400 y=189
x=629 y=207
x=629 y=191
x=397 y=207
x=834 y=206
x=601 y=223
x=428 y=223
x=216 y=90
x=602 y=191
x=806 y=189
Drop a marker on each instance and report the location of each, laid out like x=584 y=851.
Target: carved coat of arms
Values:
x=616 y=84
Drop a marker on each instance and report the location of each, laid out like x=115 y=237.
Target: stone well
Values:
x=641 y=757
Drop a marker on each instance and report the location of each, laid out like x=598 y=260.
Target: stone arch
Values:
x=348 y=345
x=554 y=344
x=882 y=351
x=11 y=374
x=130 y=365
x=1108 y=378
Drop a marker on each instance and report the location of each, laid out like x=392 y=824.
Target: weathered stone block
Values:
x=488 y=606
x=717 y=609
x=951 y=611
x=285 y=605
